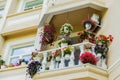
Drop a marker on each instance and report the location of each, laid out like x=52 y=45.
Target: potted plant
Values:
x=102 y=43
x=48 y=35
x=33 y=68
x=104 y=39
x=56 y=55
x=86 y=36
x=22 y=62
x=64 y=43
x=11 y=65
x=101 y=48
x=2 y=63
x=67 y=52
x=88 y=57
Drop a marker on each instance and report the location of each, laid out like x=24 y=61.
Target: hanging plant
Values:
x=33 y=68
x=89 y=24
x=48 y=35
x=66 y=29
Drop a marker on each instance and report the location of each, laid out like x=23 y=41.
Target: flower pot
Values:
x=64 y=45
x=67 y=56
x=99 y=55
x=86 y=40
x=100 y=43
x=57 y=58
x=23 y=63
x=2 y=67
x=100 y=60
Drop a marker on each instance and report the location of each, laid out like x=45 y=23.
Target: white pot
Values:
x=64 y=45
x=67 y=57
x=57 y=58
x=99 y=43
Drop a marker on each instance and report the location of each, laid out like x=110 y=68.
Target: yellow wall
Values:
x=111 y=21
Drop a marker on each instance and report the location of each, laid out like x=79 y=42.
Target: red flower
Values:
x=110 y=38
x=48 y=35
x=79 y=33
x=104 y=39
x=88 y=57
x=94 y=42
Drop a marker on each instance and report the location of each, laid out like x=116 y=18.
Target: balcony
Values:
x=70 y=67
x=21 y=22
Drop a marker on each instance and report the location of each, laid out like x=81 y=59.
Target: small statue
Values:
x=66 y=29
x=91 y=23
x=96 y=18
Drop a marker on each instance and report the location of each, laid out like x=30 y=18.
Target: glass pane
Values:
x=1 y=11
x=27 y=57
x=1 y=8
x=22 y=50
x=30 y=4
x=14 y=60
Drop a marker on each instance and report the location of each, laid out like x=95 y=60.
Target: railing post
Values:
x=52 y=65
x=62 y=60
x=81 y=51
x=44 y=62
x=104 y=66
x=93 y=50
x=71 y=63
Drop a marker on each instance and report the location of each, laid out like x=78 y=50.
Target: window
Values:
x=30 y=4
x=1 y=11
x=22 y=52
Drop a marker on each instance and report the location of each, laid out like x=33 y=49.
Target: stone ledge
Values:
x=13 y=68
x=86 y=71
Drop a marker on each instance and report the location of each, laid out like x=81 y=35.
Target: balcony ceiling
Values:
x=73 y=17
x=87 y=78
